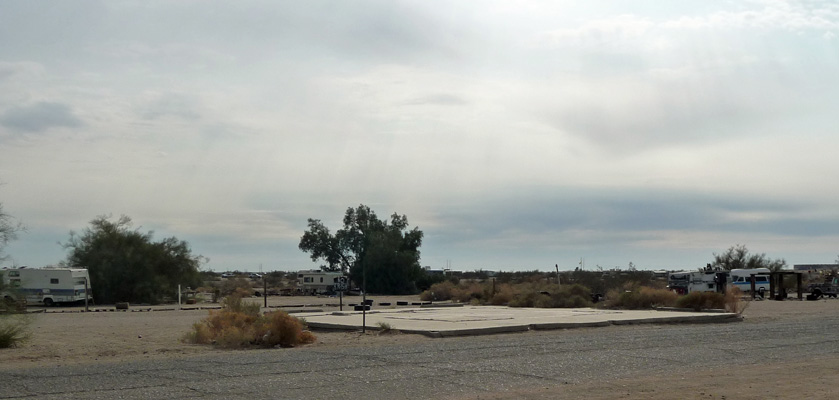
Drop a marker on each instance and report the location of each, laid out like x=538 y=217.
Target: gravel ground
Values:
x=782 y=350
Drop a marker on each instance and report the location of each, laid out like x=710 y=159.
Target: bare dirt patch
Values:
x=73 y=337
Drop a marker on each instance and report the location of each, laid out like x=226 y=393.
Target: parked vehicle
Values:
x=317 y=282
x=705 y=280
x=829 y=288
x=742 y=279
x=49 y=285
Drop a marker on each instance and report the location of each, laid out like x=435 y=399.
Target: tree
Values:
x=8 y=230
x=738 y=256
x=386 y=251
x=126 y=265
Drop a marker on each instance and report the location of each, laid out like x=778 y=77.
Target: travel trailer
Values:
x=317 y=282
x=742 y=279
x=49 y=285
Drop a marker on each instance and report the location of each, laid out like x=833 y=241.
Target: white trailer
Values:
x=317 y=282
x=49 y=285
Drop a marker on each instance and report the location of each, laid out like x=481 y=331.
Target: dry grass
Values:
x=702 y=301
x=239 y=324
x=13 y=330
x=734 y=301
x=640 y=298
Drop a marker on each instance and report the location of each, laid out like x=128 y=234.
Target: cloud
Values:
x=39 y=117
x=10 y=69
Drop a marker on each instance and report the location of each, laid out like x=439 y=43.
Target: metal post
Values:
x=179 y=296
x=363 y=299
x=264 y=290
x=87 y=294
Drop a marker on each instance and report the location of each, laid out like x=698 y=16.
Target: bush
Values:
x=702 y=301
x=734 y=300
x=640 y=298
x=13 y=330
x=239 y=324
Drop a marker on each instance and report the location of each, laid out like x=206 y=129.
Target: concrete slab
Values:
x=481 y=320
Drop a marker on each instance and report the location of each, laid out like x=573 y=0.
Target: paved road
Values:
x=439 y=368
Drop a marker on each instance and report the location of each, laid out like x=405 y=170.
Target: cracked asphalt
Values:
x=442 y=368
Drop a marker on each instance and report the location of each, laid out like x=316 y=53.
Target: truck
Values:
x=828 y=288
x=49 y=286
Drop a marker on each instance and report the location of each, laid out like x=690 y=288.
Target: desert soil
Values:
x=65 y=336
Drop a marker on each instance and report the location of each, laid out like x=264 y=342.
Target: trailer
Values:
x=317 y=282
x=704 y=280
x=50 y=286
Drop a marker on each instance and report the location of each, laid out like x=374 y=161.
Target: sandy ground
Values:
x=64 y=336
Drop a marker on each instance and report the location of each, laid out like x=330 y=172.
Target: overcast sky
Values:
x=516 y=135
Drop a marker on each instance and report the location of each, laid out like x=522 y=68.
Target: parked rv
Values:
x=317 y=282
x=705 y=280
x=742 y=279
x=49 y=286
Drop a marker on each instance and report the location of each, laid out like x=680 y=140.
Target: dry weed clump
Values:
x=734 y=300
x=702 y=301
x=14 y=329
x=240 y=324
x=640 y=298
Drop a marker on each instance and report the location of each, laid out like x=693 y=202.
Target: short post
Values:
x=179 y=296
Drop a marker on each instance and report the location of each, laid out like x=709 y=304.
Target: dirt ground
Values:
x=65 y=336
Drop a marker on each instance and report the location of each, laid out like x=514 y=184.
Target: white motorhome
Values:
x=49 y=285
x=316 y=282
x=742 y=279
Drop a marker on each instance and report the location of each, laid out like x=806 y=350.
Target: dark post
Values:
x=800 y=289
x=87 y=294
x=752 y=277
x=772 y=286
x=264 y=292
x=363 y=298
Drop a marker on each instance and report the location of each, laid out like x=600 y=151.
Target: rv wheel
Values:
x=48 y=302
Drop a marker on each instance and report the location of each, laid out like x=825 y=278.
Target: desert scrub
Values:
x=734 y=301
x=14 y=330
x=640 y=298
x=240 y=324
x=702 y=301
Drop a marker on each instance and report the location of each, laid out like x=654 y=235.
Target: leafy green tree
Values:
x=385 y=253
x=127 y=265
x=738 y=257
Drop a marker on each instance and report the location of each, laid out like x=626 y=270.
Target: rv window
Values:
x=14 y=282
x=54 y=281
x=79 y=282
x=761 y=279
x=321 y=279
x=14 y=273
x=308 y=279
x=710 y=286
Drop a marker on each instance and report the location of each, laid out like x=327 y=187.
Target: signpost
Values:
x=341 y=286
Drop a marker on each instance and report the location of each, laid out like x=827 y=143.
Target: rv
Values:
x=50 y=285
x=317 y=282
x=706 y=280
x=742 y=279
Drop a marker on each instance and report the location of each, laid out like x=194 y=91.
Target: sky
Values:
x=515 y=135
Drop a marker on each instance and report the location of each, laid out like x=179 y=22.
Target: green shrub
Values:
x=702 y=301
